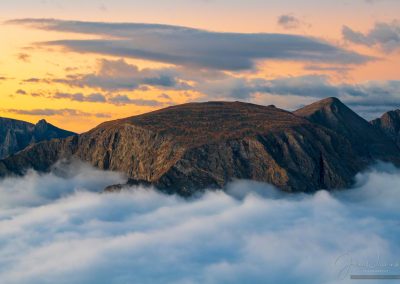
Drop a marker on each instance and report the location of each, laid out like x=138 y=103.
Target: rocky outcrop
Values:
x=389 y=123
x=16 y=135
x=190 y=147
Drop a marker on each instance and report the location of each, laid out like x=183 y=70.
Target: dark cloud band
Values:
x=385 y=36
x=193 y=47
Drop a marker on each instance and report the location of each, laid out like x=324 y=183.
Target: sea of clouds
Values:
x=57 y=228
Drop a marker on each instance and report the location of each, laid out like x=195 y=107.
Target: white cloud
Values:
x=57 y=229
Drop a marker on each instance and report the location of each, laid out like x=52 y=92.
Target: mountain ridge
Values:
x=187 y=148
x=16 y=135
x=367 y=140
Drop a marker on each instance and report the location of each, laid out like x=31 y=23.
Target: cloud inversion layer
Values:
x=57 y=230
x=193 y=47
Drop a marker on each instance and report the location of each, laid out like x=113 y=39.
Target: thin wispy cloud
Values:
x=79 y=97
x=24 y=57
x=21 y=92
x=290 y=22
x=56 y=112
x=114 y=75
x=115 y=99
x=125 y=100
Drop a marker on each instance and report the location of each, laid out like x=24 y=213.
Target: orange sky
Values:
x=20 y=59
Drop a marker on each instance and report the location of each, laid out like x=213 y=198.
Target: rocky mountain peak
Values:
x=41 y=125
x=16 y=135
x=389 y=123
x=330 y=109
x=366 y=140
x=42 y=122
x=390 y=118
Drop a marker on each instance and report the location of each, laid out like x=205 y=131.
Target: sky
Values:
x=79 y=63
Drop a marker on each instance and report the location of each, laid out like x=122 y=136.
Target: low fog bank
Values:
x=65 y=178
x=56 y=228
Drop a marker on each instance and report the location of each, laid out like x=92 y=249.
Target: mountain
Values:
x=16 y=135
x=389 y=123
x=367 y=141
x=190 y=147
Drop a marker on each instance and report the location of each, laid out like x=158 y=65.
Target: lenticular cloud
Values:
x=55 y=228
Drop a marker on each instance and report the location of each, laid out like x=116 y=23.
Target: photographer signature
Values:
x=348 y=265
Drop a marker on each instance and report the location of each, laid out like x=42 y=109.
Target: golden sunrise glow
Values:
x=22 y=59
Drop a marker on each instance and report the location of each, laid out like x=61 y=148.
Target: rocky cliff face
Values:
x=16 y=135
x=389 y=123
x=195 y=146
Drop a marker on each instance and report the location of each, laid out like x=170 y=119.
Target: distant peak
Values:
x=393 y=113
x=42 y=121
x=42 y=125
x=330 y=104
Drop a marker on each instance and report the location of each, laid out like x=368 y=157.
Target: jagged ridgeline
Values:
x=191 y=147
x=16 y=135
